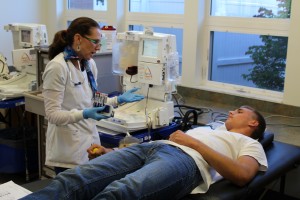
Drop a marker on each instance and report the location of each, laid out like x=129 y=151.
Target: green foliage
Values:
x=270 y=58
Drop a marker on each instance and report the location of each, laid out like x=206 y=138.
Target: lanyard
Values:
x=90 y=76
x=69 y=53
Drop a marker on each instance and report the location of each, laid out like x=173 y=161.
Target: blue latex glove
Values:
x=94 y=113
x=129 y=96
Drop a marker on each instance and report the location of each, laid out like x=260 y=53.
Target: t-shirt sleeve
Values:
x=255 y=150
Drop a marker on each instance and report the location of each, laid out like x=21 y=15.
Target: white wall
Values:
x=291 y=93
x=18 y=11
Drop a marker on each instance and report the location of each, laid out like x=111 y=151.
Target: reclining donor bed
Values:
x=281 y=157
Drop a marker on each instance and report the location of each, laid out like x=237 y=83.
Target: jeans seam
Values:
x=93 y=180
x=150 y=194
x=180 y=180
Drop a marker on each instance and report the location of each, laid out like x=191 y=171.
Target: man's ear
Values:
x=253 y=123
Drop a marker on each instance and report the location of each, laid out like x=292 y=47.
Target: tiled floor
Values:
x=19 y=178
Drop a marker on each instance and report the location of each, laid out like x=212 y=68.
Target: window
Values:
x=164 y=16
x=240 y=57
x=157 y=6
x=250 y=8
x=248 y=59
x=88 y=4
x=95 y=9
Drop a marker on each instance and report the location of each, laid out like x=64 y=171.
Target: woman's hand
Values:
x=130 y=96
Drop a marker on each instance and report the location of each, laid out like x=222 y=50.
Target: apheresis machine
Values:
x=23 y=78
x=149 y=61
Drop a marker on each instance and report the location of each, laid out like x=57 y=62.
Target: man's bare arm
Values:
x=239 y=171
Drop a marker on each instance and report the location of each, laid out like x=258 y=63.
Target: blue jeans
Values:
x=143 y=171
x=59 y=169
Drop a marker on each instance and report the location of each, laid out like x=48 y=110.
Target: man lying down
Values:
x=168 y=169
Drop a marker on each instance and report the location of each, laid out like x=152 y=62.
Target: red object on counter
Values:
x=108 y=28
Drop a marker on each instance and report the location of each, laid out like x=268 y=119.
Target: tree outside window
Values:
x=270 y=58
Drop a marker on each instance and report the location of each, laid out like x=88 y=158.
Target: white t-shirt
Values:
x=229 y=144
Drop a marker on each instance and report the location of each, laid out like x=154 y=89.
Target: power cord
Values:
x=186 y=125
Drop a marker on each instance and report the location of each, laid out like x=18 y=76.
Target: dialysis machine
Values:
x=25 y=37
x=149 y=61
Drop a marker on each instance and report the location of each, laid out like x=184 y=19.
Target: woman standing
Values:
x=69 y=86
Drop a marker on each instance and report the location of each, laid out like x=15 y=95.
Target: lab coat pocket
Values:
x=65 y=146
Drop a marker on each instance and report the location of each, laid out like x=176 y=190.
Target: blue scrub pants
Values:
x=144 y=171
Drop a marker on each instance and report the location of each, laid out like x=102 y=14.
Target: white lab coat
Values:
x=68 y=133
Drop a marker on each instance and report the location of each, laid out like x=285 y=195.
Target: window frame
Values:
x=260 y=26
x=113 y=14
x=263 y=26
x=197 y=23
x=152 y=19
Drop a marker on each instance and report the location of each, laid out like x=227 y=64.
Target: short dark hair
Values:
x=260 y=129
x=63 y=38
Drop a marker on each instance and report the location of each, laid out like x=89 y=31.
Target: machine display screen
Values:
x=150 y=47
x=25 y=36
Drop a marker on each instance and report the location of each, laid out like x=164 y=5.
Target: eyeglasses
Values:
x=95 y=42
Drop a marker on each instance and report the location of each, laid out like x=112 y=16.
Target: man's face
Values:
x=239 y=118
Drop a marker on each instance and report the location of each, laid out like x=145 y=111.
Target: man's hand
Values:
x=96 y=150
x=180 y=137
